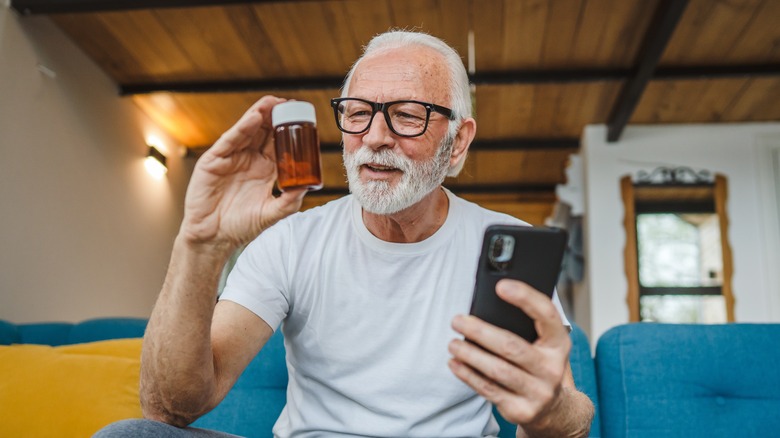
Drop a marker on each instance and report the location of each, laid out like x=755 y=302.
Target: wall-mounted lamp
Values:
x=155 y=163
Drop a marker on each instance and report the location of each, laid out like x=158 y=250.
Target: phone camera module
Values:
x=500 y=251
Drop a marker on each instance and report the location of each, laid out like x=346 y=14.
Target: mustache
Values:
x=382 y=157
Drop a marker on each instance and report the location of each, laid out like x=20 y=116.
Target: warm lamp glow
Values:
x=155 y=163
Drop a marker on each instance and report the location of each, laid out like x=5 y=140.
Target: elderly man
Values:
x=370 y=290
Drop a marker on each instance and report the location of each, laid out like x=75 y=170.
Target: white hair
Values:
x=460 y=91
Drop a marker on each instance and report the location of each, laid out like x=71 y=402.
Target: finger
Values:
x=251 y=129
x=492 y=367
x=500 y=342
x=539 y=307
x=284 y=205
x=493 y=392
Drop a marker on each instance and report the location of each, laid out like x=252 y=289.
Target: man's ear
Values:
x=466 y=133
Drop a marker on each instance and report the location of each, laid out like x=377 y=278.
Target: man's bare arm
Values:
x=194 y=352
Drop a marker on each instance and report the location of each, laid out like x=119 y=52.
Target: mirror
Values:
x=677 y=257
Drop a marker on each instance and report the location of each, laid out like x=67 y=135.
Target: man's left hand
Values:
x=524 y=380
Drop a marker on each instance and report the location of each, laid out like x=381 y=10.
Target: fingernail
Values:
x=457 y=322
x=511 y=289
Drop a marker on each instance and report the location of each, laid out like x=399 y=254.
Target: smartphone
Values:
x=529 y=254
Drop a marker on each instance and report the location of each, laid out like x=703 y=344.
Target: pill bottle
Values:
x=297 y=146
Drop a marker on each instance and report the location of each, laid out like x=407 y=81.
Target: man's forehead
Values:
x=408 y=69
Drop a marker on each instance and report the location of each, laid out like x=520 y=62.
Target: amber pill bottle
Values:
x=297 y=146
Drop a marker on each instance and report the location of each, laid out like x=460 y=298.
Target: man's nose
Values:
x=378 y=134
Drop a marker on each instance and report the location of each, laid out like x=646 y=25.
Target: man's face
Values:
x=387 y=172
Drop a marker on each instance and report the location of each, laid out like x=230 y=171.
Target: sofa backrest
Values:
x=666 y=380
x=65 y=333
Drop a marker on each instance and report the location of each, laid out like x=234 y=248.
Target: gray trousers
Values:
x=141 y=428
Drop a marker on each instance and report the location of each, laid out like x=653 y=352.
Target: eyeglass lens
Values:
x=406 y=118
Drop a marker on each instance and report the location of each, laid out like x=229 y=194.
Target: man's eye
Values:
x=409 y=116
x=359 y=113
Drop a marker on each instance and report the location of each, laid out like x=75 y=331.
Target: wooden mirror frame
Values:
x=631 y=194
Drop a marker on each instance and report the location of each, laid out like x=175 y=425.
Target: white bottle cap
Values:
x=293 y=111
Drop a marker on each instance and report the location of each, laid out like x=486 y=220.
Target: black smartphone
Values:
x=529 y=254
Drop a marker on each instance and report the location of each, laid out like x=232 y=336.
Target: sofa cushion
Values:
x=68 y=391
x=665 y=380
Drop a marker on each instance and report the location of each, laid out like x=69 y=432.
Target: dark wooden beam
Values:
x=511 y=144
x=549 y=76
x=234 y=86
x=659 y=33
x=39 y=7
x=715 y=72
x=504 y=78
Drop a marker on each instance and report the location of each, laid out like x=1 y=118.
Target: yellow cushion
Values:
x=68 y=391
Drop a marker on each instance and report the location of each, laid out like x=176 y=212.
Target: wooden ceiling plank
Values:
x=607 y=33
x=663 y=25
x=525 y=24
x=572 y=112
x=165 y=112
x=363 y=21
x=100 y=44
x=445 y=19
x=515 y=167
x=216 y=49
x=488 y=27
x=280 y=25
x=563 y=21
x=324 y=36
x=648 y=108
x=760 y=43
x=342 y=27
x=545 y=109
x=757 y=101
x=256 y=40
x=146 y=38
x=501 y=110
x=604 y=95
x=709 y=31
x=626 y=37
x=590 y=33
x=688 y=101
x=714 y=102
x=308 y=43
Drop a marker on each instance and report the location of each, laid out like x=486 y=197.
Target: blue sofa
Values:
x=647 y=380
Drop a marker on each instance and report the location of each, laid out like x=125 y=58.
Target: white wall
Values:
x=742 y=152
x=84 y=230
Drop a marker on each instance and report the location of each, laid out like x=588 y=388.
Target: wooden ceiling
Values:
x=542 y=69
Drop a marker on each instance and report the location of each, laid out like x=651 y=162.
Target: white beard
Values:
x=418 y=178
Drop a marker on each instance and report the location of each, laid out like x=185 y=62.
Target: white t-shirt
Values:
x=367 y=322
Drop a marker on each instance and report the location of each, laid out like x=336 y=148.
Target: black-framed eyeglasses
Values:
x=406 y=118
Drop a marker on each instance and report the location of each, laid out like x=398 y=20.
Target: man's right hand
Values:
x=229 y=200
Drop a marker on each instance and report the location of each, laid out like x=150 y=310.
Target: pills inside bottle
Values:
x=297 y=146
